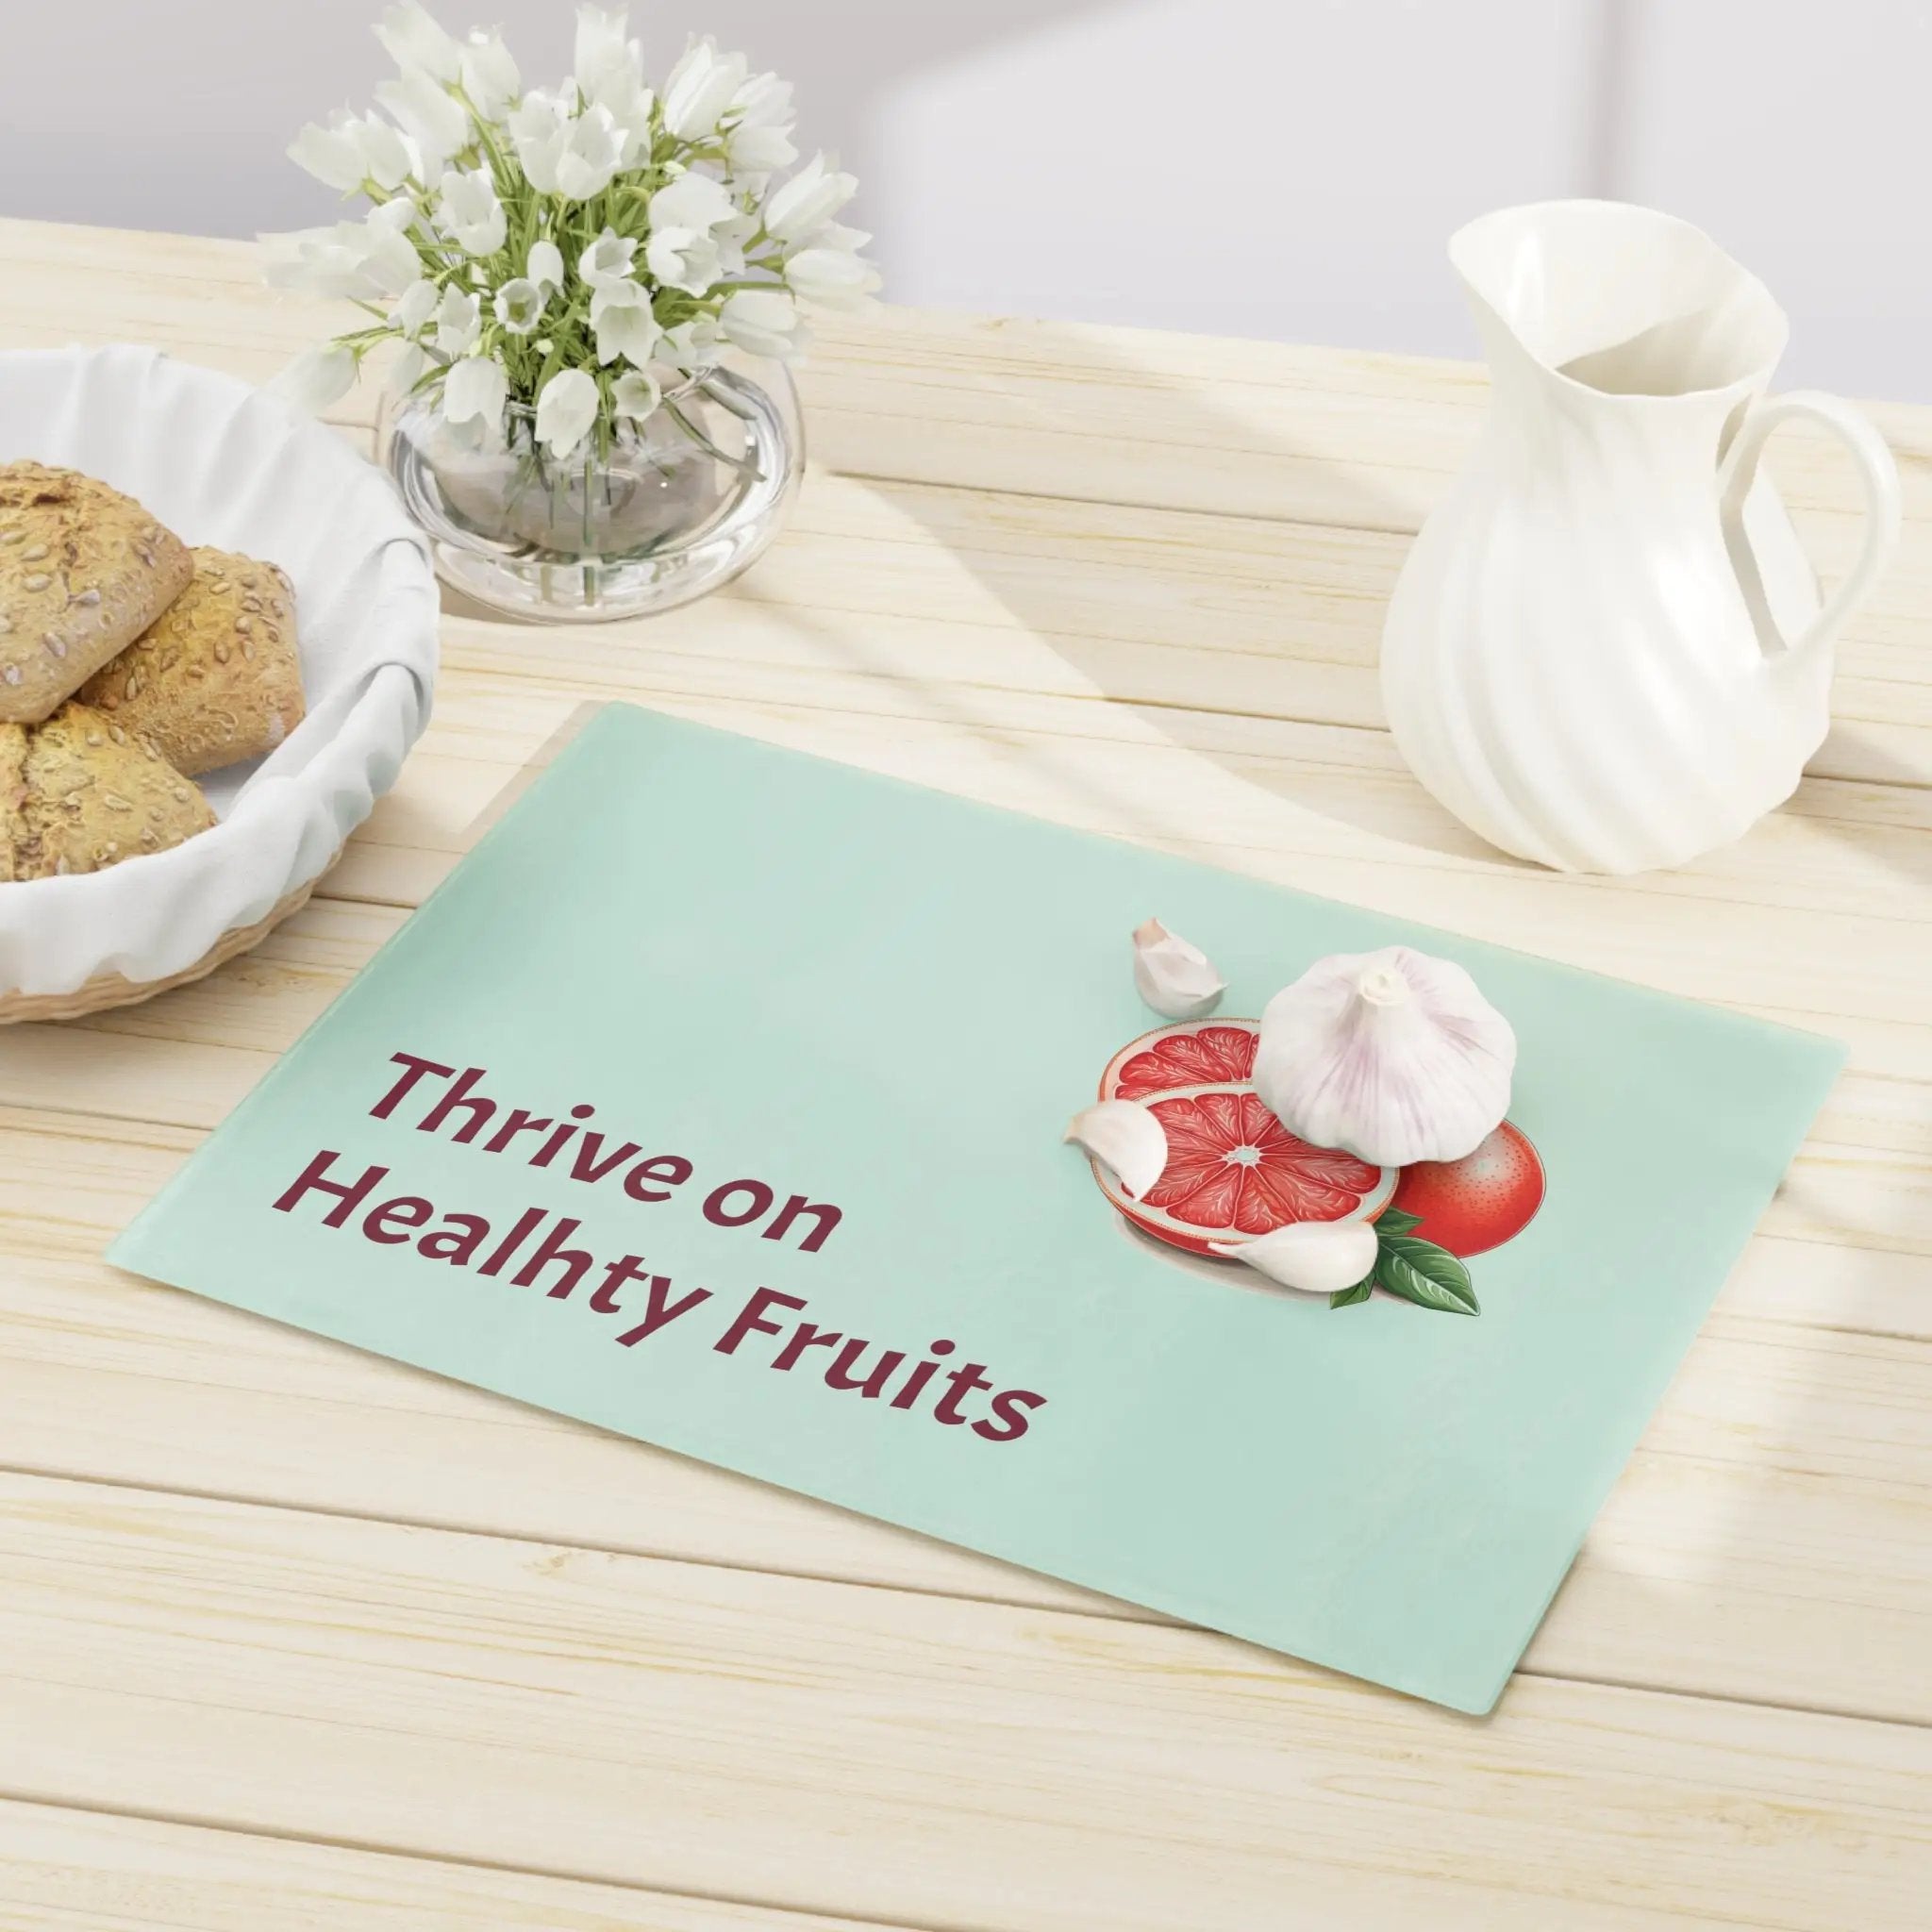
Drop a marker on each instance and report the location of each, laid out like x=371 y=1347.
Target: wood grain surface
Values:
x=293 y=1637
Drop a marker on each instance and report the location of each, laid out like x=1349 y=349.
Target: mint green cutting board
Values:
x=889 y=1001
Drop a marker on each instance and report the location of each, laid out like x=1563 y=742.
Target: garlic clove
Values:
x=1394 y=1056
x=1177 y=979
x=1311 y=1257
x=1125 y=1138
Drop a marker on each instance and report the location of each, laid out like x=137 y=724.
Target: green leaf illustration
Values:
x=1397 y=1221
x=1347 y=1297
x=1421 y=1272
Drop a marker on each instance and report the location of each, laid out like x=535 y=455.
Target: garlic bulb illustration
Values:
x=1177 y=979
x=1312 y=1257
x=1124 y=1137
x=1393 y=1056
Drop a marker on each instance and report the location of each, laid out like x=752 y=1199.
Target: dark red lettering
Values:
x=348 y=1197
x=603 y=1301
x=480 y=1111
x=386 y=1106
x=659 y=1309
x=674 y=1170
x=871 y=1386
x=714 y=1203
x=508 y=1246
x=518 y=1122
x=825 y=1219
x=551 y=1251
x=586 y=1165
x=751 y=1319
x=559 y=1140
x=921 y=1375
x=446 y=1244
x=405 y=1211
x=807 y=1335
x=964 y=1381
x=1009 y=1407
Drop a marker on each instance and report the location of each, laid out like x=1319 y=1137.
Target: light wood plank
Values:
x=1168 y=655
x=1169 y=607
x=1810 y=919
x=66 y=1871
x=1245 y=587
x=1769 y=1540
x=1120 y=415
x=1069 y=409
x=979 y=696
x=967 y=597
x=202 y=299
x=703 y=1730
x=185 y=1058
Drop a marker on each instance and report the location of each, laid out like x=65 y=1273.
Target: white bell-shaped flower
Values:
x=566 y=409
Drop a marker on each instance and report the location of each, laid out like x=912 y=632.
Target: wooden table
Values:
x=293 y=1637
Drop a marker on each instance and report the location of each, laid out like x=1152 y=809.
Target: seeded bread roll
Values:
x=79 y=793
x=216 y=677
x=12 y=797
x=83 y=571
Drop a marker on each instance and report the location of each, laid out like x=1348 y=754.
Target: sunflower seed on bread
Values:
x=216 y=678
x=12 y=800
x=79 y=792
x=83 y=571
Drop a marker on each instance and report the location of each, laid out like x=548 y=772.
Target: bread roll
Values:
x=216 y=677
x=79 y=792
x=83 y=571
x=12 y=798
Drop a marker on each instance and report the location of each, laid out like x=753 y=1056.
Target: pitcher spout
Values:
x=1618 y=301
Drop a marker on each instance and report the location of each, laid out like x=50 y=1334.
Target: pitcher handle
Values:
x=1876 y=471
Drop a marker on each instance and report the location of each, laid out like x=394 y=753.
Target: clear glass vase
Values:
x=677 y=505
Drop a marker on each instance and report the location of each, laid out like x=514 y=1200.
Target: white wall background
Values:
x=1285 y=167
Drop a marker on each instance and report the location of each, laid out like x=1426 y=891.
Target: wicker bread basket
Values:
x=222 y=464
x=107 y=990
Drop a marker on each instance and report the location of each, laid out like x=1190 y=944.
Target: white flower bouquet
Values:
x=566 y=261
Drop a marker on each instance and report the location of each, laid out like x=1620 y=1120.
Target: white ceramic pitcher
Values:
x=1607 y=651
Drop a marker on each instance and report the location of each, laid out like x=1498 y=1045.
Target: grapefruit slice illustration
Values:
x=1197 y=1053
x=1233 y=1170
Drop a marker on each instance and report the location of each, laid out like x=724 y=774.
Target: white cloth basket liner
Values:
x=221 y=463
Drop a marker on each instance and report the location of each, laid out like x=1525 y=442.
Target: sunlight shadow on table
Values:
x=1716 y=1531
x=1211 y=550
x=1897 y=798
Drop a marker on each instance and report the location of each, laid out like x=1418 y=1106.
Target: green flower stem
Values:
x=743 y=466
x=564 y=325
